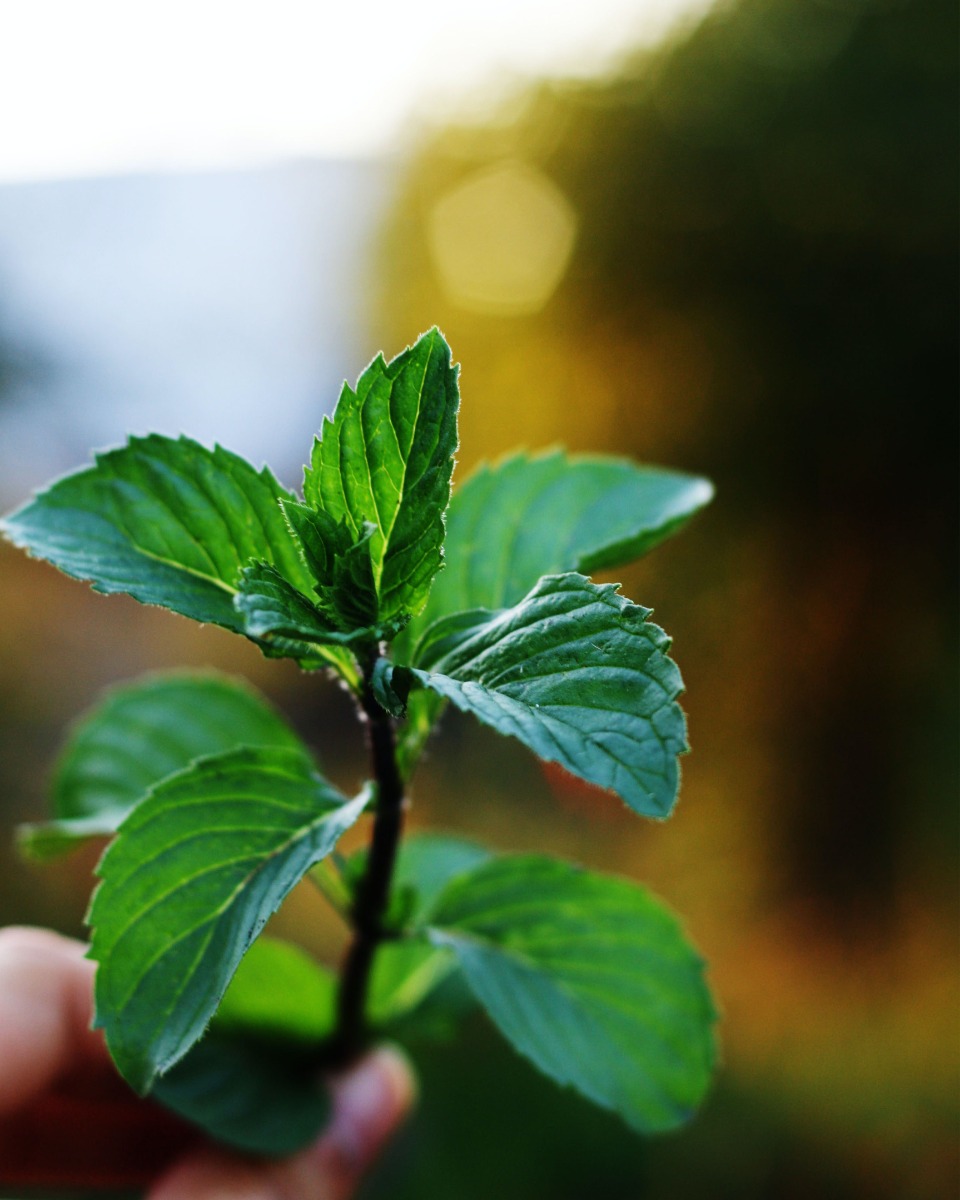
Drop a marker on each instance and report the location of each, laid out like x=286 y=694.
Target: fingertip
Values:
x=45 y=1009
x=376 y=1093
x=370 y=1102
x=212 y=1174
x=19 y=940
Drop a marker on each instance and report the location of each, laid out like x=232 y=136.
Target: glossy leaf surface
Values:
x=341 y=566
x=287 y=623
x=534 y=515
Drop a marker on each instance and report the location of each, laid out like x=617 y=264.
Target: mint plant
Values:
x=217 y=810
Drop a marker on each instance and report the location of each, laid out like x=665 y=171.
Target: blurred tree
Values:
x=738 y=254
x=763 y=287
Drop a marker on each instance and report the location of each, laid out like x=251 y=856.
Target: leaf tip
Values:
x=139 y=1072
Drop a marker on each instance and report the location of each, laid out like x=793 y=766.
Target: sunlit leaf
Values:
x=385 y=460
x=530 y=516
x=341 y=565
x=165 y=520
x=281 y=617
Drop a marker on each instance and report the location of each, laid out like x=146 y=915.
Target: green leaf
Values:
x=257 y=1097
x=404 y=974
x=279 y=991
x=43 y=841
x=288 y=624
x=386 y=459
x=526 y=517
x=510 y=524
x=252 y=1082
x=382 y=683
x=407 y=972
x=418 y=998
x=138 y=735
x=166 y=521
x=426 y=863
x=187 y=884
x=591 y=978
x=342 y=567
x=580 y=676
x=429 y=862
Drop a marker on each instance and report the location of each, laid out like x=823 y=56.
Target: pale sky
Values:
x=91 y=87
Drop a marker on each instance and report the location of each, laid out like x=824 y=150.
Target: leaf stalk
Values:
x=369 y=911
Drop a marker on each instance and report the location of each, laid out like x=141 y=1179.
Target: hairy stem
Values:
x=369 y=911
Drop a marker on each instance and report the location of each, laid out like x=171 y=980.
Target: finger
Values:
x=46 y=990
x=369 y=1104
x=65 y=1116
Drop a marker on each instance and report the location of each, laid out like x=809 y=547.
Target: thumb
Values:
x=370 y=1102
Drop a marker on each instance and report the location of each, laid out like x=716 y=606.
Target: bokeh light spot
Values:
x=501 y=240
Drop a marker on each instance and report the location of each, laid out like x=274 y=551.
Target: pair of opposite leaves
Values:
x=573 y=670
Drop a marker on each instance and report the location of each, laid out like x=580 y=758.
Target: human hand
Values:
x=64 y=1112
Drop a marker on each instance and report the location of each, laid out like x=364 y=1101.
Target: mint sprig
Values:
x=217 y=810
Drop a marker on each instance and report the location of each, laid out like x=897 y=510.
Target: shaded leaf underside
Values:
x=257 y=1097
x=589 y=977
